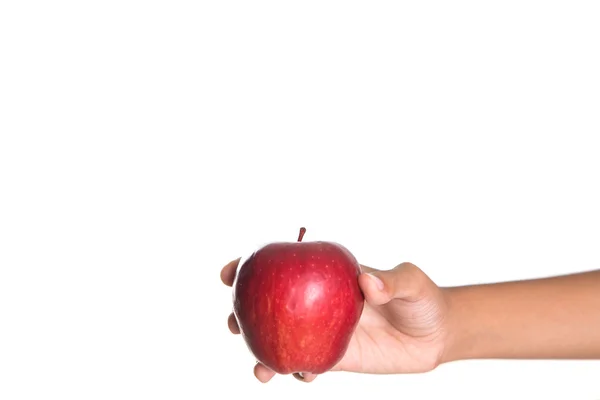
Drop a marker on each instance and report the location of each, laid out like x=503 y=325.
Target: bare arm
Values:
x=551 y=318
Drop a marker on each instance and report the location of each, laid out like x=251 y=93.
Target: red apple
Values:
x=298 y=304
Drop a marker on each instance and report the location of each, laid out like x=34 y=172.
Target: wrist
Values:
x=460 y=338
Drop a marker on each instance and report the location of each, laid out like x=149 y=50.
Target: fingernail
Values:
x=378 y=282
x=299 y=376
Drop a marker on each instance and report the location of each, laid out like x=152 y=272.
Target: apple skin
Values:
x=298 y=304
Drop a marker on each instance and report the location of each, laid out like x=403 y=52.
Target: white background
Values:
x=145 y=144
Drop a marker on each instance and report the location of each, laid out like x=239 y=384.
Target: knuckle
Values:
x=410 y=268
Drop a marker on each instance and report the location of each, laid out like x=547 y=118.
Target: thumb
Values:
x=406 y=281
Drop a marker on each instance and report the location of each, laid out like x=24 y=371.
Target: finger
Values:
x=262 y=373
x=228 y=272
x=233 y=325
x=305 y=377
x=373 y=289
x=405 y=281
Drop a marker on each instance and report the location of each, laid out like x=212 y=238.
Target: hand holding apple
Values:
x=402 y=327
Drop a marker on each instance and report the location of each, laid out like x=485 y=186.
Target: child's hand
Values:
x=402 y=328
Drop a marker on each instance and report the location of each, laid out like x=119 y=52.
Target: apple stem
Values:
x=301 y=235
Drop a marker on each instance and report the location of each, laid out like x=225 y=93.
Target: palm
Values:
x=400 y=336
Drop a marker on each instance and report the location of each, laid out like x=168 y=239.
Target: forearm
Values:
x=550 y=318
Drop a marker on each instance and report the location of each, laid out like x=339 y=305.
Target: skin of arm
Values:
x=548 y=318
